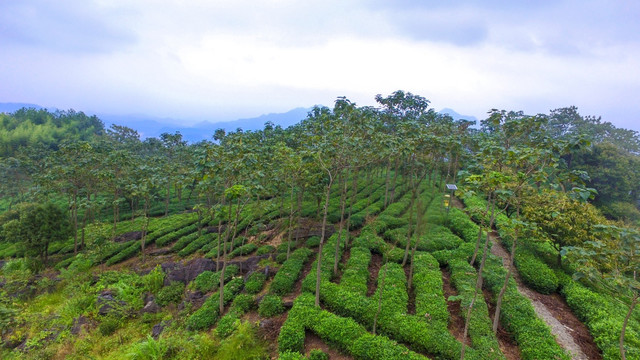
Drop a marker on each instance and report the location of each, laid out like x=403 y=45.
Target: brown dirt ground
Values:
x=313 y=341
x=456 y=322
x=570 y=333
x=297 y=289
x=507 y=345
x=374 y=268
x=411 y=306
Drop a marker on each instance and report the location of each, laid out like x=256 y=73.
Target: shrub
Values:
x=291 y=355
x=210 y=281
x=170 y=294
x=228 y=324
x=243 y=303
x=197 y=244
x=126 y=253
x=109 y=325
x=462 y=226
x=356 y=273
x=312 y=242
x=317 y=354
x=154 y=280
x=265 y=249
x=535 y=273
x=463 y=277
x=209 y=312
x=271 y=305
x=255 y=282
x=428 y=287
x=243 y=344
x=281 y=258
x=289 y=272
x=519 y=318
x=245 y=249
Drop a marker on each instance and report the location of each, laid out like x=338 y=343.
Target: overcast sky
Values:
x=222 y=60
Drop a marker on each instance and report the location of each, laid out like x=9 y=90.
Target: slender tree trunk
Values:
x=299 y=211
x=418 y=233
x=224 y=259
x=352 y=200
x=481 y=228
x=414 y=195
x=166 y=201
x=514 y=247
x=375 y=318
x=75 y=221
x=386 y=184
x=478 y=288
x=409 y=233
x=290 y=234
x=393 y=184
x=634 y=302
x=324 y=225
x=343 y=200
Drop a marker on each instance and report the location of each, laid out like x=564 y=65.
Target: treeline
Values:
x=112 y=174
x=29 y=127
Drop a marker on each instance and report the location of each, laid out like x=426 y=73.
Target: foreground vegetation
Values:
x=116 y=247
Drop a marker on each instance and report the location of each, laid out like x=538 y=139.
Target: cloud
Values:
x=83 y=27
x=217 y=60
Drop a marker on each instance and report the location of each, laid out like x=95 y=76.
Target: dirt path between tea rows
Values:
x=570 y=333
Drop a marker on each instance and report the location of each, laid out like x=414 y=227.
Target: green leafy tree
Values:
x=610 y=263
x=38 y=226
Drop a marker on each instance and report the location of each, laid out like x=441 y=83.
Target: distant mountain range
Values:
x=152 y=127
x=457 y=116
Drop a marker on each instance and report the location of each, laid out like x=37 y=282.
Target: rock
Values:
x=213 y=229
x=288 y=304
x=133 y=235
x=185 y=273
x=76 y=326
x=159 y=328
x=161 y=251
x=2 y=262
x=151 y=307
x=108 y=303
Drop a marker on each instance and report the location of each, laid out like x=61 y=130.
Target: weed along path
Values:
x=570 y=332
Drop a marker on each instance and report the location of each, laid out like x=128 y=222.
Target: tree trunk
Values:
x=352 y=200
x=75 y=221
x=393 y=184
x=478 y=288
x=324 y=225
x=290 y=222
x=224 y=259
x=343 y=200
x=514 y=247
x=386 y=184
x=634 y=302
x=166 y=201
x=375 y=318
x=475 y=251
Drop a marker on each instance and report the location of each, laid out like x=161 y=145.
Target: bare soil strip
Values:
x=297 y=288
x=411 y=307
x=570 y=333
x=507 y=345
x=456 y=322
x=374 y=268
x=313 y=341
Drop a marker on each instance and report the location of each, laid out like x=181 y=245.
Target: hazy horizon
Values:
x=218 y=61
